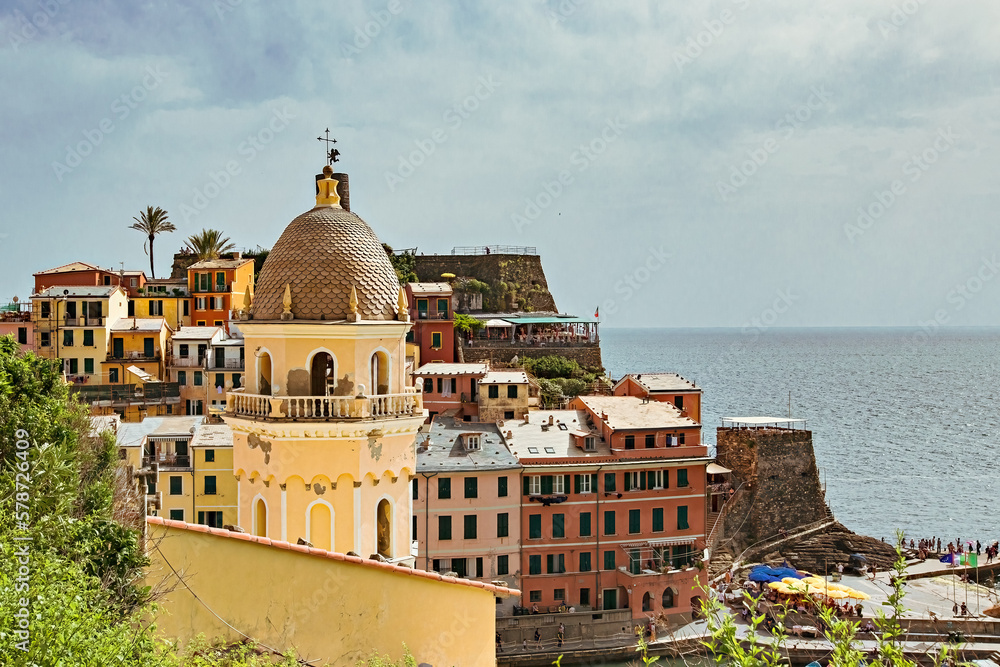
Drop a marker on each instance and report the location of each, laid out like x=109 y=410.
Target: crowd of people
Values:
x=927 y=547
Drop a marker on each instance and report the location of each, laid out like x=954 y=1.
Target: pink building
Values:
x=451 y=389
x=15 y=320
x=466 y=504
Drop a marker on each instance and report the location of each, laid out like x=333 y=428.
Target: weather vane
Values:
x=332 y=154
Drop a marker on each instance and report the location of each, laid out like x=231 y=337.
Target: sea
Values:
x=905 y=422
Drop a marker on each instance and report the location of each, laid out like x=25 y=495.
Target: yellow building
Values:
x=166 y=298
x=137 y=358
x=73 y=323
x=189 y=465
x=324 y=432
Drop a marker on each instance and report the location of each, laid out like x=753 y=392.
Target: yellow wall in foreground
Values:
x=330 y=610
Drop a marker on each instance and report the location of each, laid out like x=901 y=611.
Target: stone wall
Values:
x=588 y=357
x=517 y=282
x=782 y=488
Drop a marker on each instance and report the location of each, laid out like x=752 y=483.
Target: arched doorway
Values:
x=647 y=602
x=264 y=374
x=321 y=526
x=260 y=518
x=668 y=598
x=379 y=373
x=383 y=519
x=322 y=374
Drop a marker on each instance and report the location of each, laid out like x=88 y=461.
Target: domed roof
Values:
x=321 y=255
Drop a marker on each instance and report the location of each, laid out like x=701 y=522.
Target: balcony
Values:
x=133 y=356
x=187 y=362
x=73 y=321
x=432 y=315
x=227 y=365
x=217 y=288
x=167 y=460
x=129 y=394
x=19 y=316
x=325 y=408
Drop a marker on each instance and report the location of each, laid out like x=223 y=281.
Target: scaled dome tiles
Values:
x=321 y=255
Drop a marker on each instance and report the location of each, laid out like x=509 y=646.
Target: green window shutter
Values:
x=650 y=479
x=682 y=478
x=546 y=484
x=561 y=563
x=503 y=525
x=593 y=483
x=633 y=521
x=666 y=479
x=88 y=366
x=642 y=480
x=657 y=519
x=550 y=563
x=471 y=487
x=210 y=485
x=535 y=526
x=471 y=528
x=576 y=483
x=201 y=518
x=558 y=525
x=682 y=517
x=444 y=488
x=527 y=485
x=584 y=561
x=534 y=564
x=566 y=482
x=609 y=481
x=628 y=482
x=444 y=527
x=501 y=487
x=609 y=560
x=609 y=522
x=585 y=524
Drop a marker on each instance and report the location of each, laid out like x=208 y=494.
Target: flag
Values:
x=597 y=312
x=972 y=560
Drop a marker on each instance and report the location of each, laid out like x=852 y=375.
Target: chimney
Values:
x=552 y=420
x=344 y=190
x=238 y=254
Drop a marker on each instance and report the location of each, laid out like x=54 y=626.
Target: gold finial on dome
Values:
x=402 y=308
x=353 y=316
x=326 y=194
x=286 y=303
x=247 y=304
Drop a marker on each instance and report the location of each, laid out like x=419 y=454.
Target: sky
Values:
x=733 y=163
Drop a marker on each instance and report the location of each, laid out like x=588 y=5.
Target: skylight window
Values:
x=563 y=427
x=532 y=450
x=550 y=450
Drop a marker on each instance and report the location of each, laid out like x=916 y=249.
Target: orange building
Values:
x=666 y=387
x=613 y=511
x=218 y=287
x=433 y=330
x=81 y=274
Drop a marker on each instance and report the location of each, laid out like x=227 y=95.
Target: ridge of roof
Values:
x=332 y=555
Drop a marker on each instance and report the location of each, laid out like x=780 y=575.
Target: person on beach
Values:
x=538 y=637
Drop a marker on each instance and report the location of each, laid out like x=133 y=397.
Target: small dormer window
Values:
x=472 y=443
x=590 y=443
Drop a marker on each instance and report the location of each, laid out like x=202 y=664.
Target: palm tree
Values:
x=209 y=244
x=151 y=222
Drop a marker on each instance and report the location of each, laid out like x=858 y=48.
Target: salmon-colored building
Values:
x=218 y=287
x=82 y=274
x=15 y=320
x=613 y=506
x=466 y=508
x=665 y=387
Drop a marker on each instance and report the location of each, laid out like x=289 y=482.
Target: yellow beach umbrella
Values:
x=857 y=595
x=836 y=595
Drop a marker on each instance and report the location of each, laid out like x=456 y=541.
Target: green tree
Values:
x=404 y=263
x=467 y=324
x=209 y=244
x=152 y=222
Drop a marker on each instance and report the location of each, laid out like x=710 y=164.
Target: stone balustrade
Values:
x=382 y=406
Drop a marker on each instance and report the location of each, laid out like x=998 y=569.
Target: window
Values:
x=535 y=526
x=220 y=280
x=182 y=378
x=657 y=519
x=512 y=391
x=471 y=487
x=668 y=598
x=609 y=481
x=414 y=489
x=535 y=566
x=428 y=386
x=509 y=414
x=176 y=515
x=443 y=308
x=201 y=323
x=654 y=479
x=237 y=379
x=200 y=303
x=46 y=310
x=503 y=525
x=187 y=308
x=584 y=524
x=559 y=594
x=555 y=563
x=197 y=378
x=112 y=375
x=609 y=560
x=183 y=350
x=472 y=445
x=444 y=488
x=156 y=308
x=634 y=481
x=44 y=339
x=176 y=485
x=533 y=485
x=436 y=340
x=444 y=527
x=590 y=443
x=132 y=282
x=585 y=597
x=501 y=487
x=609 y=522
x=88 y=338
x=629 y=442
x=88 y=366
x=682 y=477
x=585 y=483
x=634 y=522
x=209 y=485
x=210 y=456
x=74 y=366
x=494 y=391
x=470 y=527
x=68 y=337
x=584 y=561
x=535 y=596
x=421 y=309
x=682 y=517
x=503 y=565
x=650 y=440
x=559 y=484
x=440 y=384
x=680 y=438
x=558 y=525
x=479 y=567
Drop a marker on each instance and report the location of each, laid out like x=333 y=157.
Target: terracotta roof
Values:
x=220 y=264
x=72 y=266
x=332 y=555
x=321 y=255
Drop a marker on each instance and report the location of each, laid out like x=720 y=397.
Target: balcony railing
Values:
x=188 y=362
x=134 y=356
x=432 y=315
x=383 y=406
x=151 y=392
x=81 y=321
x=215 y=287
x=227 y=364
x=168 y=461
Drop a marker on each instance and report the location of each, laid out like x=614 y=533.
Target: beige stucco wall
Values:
x=332 y=611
